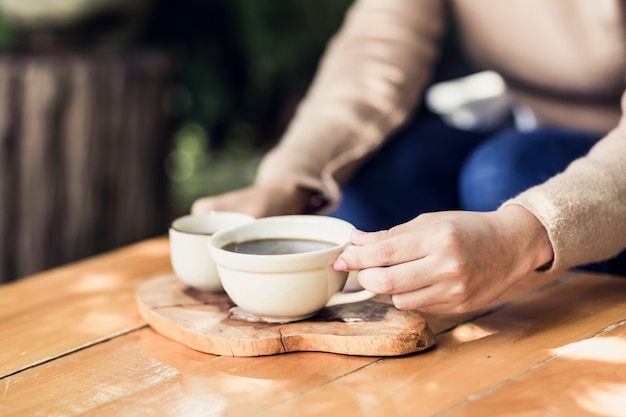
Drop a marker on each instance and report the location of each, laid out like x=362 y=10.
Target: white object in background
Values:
x=475 y=102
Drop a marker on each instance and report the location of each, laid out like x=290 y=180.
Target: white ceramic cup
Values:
x=189 y=236
x=281 y=288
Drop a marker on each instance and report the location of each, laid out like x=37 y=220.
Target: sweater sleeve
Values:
x=584 y=208
x=369 y=80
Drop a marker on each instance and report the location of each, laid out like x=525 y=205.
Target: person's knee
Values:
x=493 y=173
x=513 y=161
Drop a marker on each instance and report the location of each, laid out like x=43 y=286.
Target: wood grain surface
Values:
x=203 y=321
x=82 y=140
x=75 y=344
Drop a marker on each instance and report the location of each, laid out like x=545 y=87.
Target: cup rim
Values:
x=270 y=262
x=203 y=216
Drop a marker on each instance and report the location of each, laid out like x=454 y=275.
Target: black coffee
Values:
x=277 y=246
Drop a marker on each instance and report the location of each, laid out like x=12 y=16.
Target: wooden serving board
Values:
x=203 y=321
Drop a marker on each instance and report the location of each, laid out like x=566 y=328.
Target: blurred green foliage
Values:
x=7 y=33
x=241 y=66
x=244 y=63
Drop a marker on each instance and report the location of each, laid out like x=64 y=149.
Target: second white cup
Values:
x=189 y=237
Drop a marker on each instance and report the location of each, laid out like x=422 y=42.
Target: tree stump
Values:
x=82 y=141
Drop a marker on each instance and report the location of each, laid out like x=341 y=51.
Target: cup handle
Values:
x=349 y=297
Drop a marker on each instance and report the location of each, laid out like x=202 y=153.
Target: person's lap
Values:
x=509 y=162
x=416 y=171
x=429 y=166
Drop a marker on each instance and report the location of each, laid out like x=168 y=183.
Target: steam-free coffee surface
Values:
x=277 y=246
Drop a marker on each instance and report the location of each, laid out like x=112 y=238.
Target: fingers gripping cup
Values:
x=189 y=236
x=280 y=268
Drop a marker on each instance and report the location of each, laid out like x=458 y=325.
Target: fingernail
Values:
x=340 y=265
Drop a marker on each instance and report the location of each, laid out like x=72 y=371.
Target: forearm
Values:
x=583 y=209
x=524 y=235
x=369 y=80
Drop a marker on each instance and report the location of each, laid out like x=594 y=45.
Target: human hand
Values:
x=449 y=262
x=258 y=200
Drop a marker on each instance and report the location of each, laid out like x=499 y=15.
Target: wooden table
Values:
x=73 y=343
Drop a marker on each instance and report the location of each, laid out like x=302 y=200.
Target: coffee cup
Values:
x=280 y=268
x=189 y=236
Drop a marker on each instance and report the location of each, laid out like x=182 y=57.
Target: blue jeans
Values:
x=430 y=166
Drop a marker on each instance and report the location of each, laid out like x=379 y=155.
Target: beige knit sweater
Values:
x=565 y=59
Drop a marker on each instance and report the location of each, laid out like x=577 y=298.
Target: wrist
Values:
x=293 y=198
x=528 y=235
x=316 y=200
